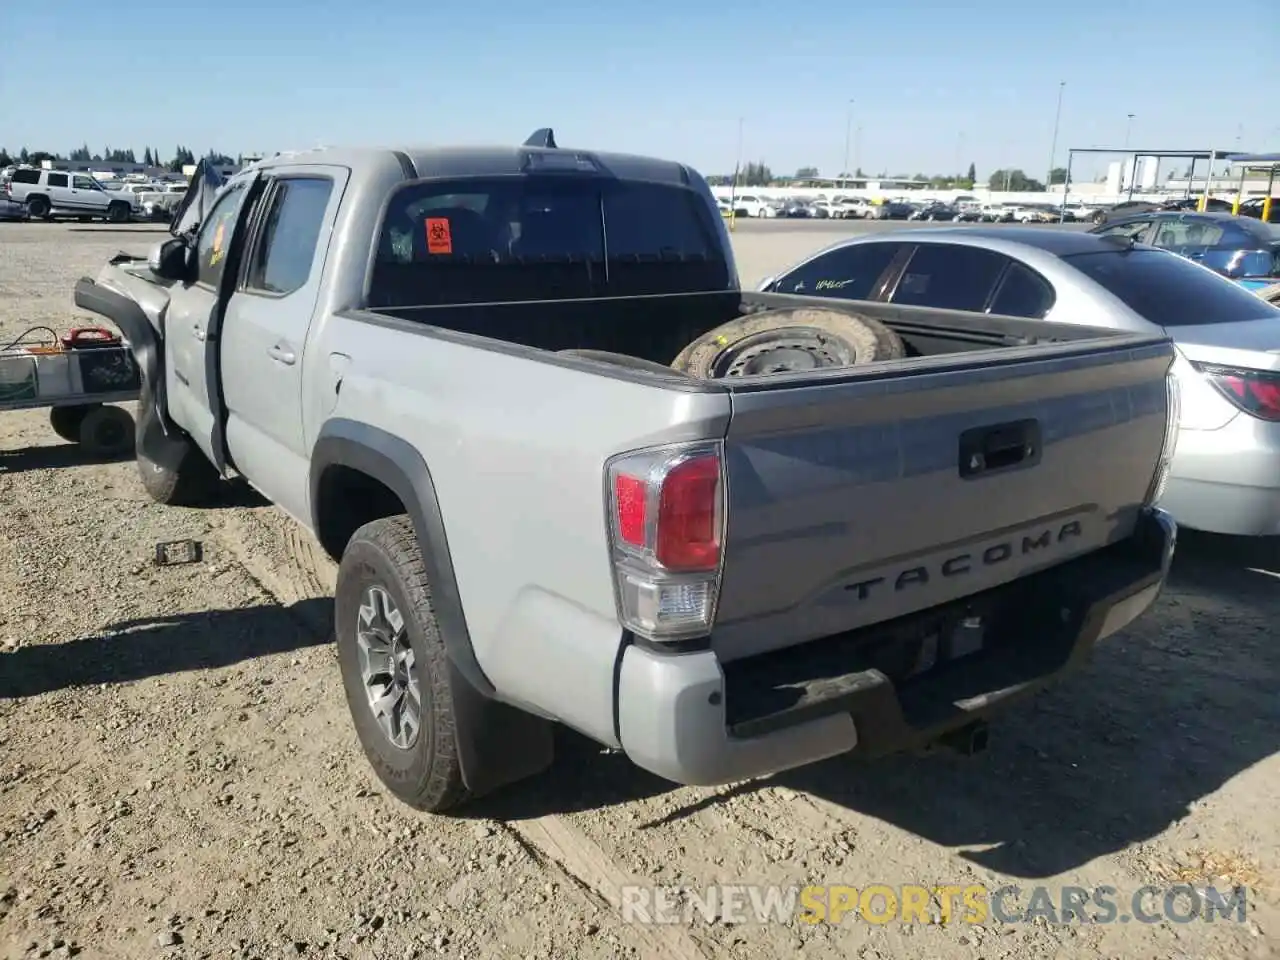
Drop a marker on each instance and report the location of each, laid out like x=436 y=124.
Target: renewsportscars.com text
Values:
x=912 y=903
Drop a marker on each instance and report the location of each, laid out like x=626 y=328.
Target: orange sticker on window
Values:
x=439 y=240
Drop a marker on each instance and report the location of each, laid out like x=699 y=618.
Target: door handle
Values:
x=198 y=332
x=283 y=354
x=988 y=449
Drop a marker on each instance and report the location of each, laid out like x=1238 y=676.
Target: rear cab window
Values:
x=1169 y=290
x=541 y=237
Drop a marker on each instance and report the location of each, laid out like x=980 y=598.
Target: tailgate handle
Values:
x=1004 y=446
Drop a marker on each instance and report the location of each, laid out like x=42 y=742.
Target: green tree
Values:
x=755 y=175
x=1058 y=175
x=971 y=176
x=80 y=153
x=181 y=157
x=37 y=157
x=5 y=158
x=1015 y=181
x=806 y=173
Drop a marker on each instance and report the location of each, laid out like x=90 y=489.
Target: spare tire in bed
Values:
x=788 y=341
x=622 y=360
x=1271 y=294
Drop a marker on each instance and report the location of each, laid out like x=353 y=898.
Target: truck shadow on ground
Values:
x=137 y=649
x=1164 y=714
x=57 y=456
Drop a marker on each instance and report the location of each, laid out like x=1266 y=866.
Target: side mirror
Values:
x=765 y=285
x=171 y=259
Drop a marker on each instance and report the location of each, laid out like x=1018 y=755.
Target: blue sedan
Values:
x=1240 y=248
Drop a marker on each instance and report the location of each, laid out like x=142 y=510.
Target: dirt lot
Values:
x=179 y=779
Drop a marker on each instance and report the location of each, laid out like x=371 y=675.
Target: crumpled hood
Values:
x=197 y=201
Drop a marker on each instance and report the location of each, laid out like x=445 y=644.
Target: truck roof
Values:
x=482 y=160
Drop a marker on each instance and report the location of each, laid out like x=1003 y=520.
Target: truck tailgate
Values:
x=902 y=486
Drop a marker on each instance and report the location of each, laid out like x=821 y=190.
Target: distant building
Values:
x=113 y=167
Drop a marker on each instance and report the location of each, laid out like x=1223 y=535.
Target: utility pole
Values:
x=1128 y=129
x=848 y=128
x=1053 y=144
x=737 y=172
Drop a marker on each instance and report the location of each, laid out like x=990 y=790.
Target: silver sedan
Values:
x=1226 y=470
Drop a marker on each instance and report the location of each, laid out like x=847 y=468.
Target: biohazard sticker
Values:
x=439 y=239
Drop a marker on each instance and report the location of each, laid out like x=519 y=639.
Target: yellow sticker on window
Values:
x=219 y=236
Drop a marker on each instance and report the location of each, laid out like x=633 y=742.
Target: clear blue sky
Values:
x=936 y=84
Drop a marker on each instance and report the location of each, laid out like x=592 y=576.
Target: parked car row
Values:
x=41 y=194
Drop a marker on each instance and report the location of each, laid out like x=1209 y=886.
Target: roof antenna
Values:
x=542 y=137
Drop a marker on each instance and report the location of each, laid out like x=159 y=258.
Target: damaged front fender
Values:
x=158 y=438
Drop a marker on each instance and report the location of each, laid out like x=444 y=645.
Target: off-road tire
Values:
x=107 y=431
x=622 y=360
x=39 y=207
x=66 y=421
x=867 y=339
x=117 y=212
x=428 y=774
x=193 y=483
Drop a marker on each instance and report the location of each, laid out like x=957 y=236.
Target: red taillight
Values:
x=688 y=508
x=631 y=494
x=1256 y=392
x=666 y=529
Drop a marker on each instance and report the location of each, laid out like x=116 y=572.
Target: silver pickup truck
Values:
x=723 y=577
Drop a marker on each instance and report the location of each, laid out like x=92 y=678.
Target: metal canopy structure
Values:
x=1192 y=155
x=1268 y=163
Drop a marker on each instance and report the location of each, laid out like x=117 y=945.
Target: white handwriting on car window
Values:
x=833 y=284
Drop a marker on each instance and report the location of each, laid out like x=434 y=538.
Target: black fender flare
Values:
x=497 y=742
x=157 y=437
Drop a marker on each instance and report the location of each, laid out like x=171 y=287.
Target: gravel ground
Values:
x=179 y=779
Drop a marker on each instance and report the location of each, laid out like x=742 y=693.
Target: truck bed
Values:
x=656 y=328
x=852 y=498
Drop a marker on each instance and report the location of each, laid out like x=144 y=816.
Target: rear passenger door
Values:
x=949 y=277
x=859 y=271
x=263 y=361
x=58 y=186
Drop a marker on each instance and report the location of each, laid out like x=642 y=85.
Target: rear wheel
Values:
x=117 y=212
x=106 y=431
x=786 y=341
x=38 y=207
x=394 y=667
x=193 y=482
x=66 y=421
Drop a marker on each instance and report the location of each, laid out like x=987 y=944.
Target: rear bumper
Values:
x=693 y=720
x=1227 y=480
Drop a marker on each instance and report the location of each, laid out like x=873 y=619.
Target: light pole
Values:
x=1133 y=161
x=848 y=129
x=737 y=169
x=1053 y=144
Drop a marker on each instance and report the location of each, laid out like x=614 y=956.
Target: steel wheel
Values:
x=387 y=668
